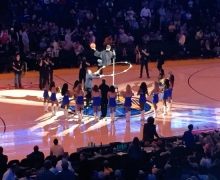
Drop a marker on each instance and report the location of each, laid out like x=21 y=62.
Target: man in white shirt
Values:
x=56 y=149
x=10 y=173
x=123 y=38
x=68 y=35
x=25 y=41
x=145 y=12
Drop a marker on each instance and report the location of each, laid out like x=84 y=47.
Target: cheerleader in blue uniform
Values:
x=112 y=102
x=66 y=102
x=155 y=97
x=128 y=103
x=142 y=100
x=46 y=98
x=164 y=95
x=171 y=80
x=96 y=97
x=53 y=98
x=79 y=94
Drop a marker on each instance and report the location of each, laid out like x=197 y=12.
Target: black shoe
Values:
x=148 y=76
x=140 y=77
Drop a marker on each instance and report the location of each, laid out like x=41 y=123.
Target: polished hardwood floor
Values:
x=23 y=123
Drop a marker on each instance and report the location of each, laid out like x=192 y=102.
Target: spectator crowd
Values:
x=66 y=28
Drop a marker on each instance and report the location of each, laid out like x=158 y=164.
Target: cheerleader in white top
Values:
x=128 y=102
x=171 y=80
x=142 y=100
x=53 y=98
x=96 y=97
x=46 y=98
x=155 y=97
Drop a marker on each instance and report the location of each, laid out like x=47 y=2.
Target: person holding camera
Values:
x=50 y=66
x=17 y=66
x=82 y=70
x=43 y=73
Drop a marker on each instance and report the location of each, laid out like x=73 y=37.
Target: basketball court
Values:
x=23 y=123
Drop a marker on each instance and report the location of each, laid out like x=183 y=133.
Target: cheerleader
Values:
x=112 y=102
x=66 y=94
x=142 y=100
x=53 y=98
x=155 y=97
x=164 y=95
x=128 y=103
x=79 y=94
x=171 y=80
x=46 y=97
x=96 y=96
x=161 y=78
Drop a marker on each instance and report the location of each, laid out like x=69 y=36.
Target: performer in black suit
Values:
x=160 y=61
x=144 y=62
x=43 y=73
x=105 y=57
x=104 y=99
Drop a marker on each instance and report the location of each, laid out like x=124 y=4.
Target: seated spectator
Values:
x=107 y=169
x=209 y=145
x=36 y=155
x=149 y=130
x=65 y=156
x=3 y=158
x=56 y=149
x=65 y=173
x=123 y=38
x=134 y=150
x=10 y=174
x=85 y=171
x=118 y=175
x=45 y=173
x=192 y=161
x=214 y=170
x=206 y=160
x=53 y=169
x=188 y=138
x=199 y=35
x=145 y=39
x=130 y=38
x=27 y=175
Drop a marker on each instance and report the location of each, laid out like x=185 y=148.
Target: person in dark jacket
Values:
x=149 y=130
x=188 y=138
x=160 y=61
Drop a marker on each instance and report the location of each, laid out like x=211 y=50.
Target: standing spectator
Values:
x=162 y=13
x=25 y=41
x=17 y=66
x=56 y=149
x=45 y=173
x=149 y=130
x=145 y=13
x=4 y=36
x=104 y=99
x=188 y=138
x=10 y=174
